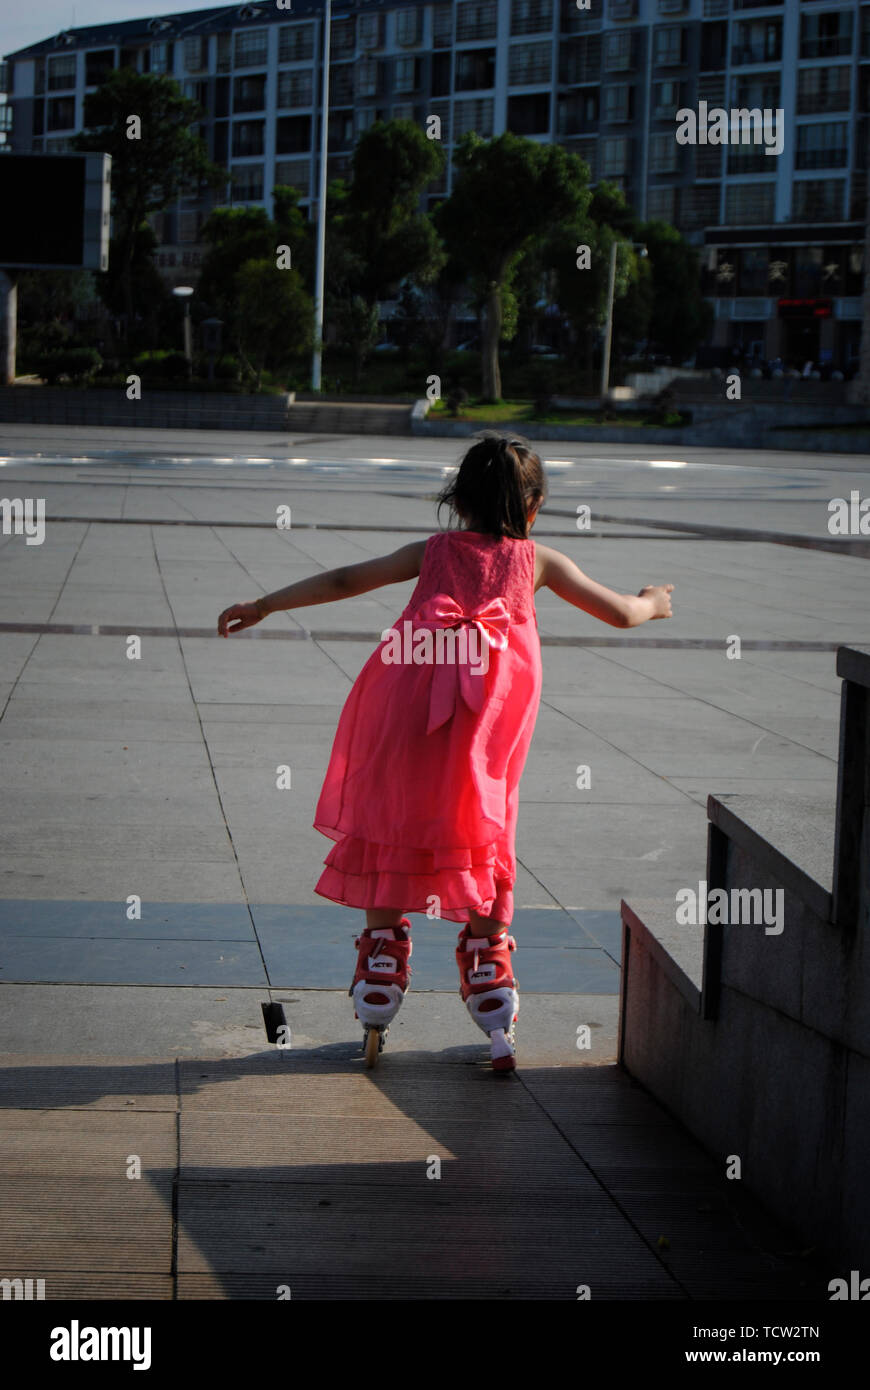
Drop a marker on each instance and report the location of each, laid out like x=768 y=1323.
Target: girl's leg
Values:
x=378 y=917
x=484 y=926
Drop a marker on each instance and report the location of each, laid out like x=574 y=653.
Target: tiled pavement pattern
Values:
x=142 y=1036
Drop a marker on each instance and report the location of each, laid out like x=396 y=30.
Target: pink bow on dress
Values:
x=492 y=621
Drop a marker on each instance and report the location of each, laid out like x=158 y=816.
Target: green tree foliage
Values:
x=680 y=317
x=507 y=193
x=274 y=317
x=148 y=172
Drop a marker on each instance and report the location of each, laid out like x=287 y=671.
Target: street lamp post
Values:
x=184 y=292
x=608 y=332
x=321 y=207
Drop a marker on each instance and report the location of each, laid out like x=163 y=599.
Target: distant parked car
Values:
x=543 y=350
x=472 y=345
x=387 y=347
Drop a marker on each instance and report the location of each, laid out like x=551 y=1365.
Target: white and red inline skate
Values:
x=380 y=982
x=491 y=991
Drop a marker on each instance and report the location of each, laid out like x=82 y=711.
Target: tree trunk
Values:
x=492 y=321
x=859 y=386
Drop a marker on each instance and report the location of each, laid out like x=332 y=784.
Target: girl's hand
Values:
x=660 y=595
x=240 y=616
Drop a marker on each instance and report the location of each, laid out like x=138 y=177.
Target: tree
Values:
x=144 y=123
x=507 y=192
x=275 y=316
x=392 y=163
x=680 y=318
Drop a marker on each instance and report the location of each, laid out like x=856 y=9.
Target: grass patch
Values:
x=519 y=412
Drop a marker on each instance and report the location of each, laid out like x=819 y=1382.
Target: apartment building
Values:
x=781 y=236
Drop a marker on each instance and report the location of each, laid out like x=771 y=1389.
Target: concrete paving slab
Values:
x=47 y=917
x=129 y=961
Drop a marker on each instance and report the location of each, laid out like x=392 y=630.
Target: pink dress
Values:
x=422 y=789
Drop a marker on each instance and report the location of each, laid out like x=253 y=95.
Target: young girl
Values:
x=421 y=791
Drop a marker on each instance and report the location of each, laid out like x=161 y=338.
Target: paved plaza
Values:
x=132 y=1030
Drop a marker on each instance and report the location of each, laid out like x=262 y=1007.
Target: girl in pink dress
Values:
x=421 y=791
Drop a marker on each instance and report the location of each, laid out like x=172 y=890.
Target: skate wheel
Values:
x=372 y=1046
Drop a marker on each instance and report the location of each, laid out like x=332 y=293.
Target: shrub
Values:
x=77 y=363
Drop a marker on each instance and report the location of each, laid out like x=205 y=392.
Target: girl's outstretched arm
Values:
x=555 y=571
x=328 y=587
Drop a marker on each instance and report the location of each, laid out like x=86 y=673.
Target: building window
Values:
x=822 y=146
x=621 y=9
x=293 y=134
x=442 y=26
x=818 y=200
x=475 y=69
x=617 y=51
x=365 y=119
x=473 y=115
x=669 y=49
x=408 y=27
x=476 y=19
x=714 y=47
x=699 y=206
x=249 y=48
x=295 y=88
x=407 y=74
x=249 y=93
x=340 y=137
x=618 y=102
x=823 y=89
x=342 y=36
x=247 y=183
x=441 y=74
x=615 y=152
x=248 y=138
x=371 y=30
x=296 y=43
x=826 y=35
x=61 y=73
x=195 y=54
x=581 y=61
x=749 y=204
x=188 y=226
x=98 y=65
x=578 y=112
x=161 y=57
x=757 y=90
x=529 y=115
x=294 y=173
x=61 y=113
x=367 y=78
x=224 y=52
x=341 y=84
x=529 y=62
x=667 y=100
x=663 y=154
x=531 y=16
x=758 y=41
x=661 y=204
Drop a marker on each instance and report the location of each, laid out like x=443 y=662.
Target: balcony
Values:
x=745 y=53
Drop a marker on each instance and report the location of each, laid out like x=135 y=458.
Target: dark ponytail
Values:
x=499 y=480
